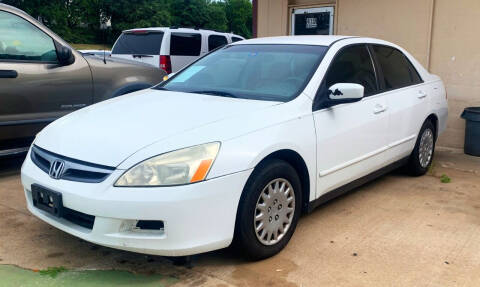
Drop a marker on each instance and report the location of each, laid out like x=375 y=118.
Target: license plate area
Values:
x=47 y=200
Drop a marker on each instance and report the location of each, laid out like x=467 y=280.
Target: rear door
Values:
x=351 y=138
x=34 y=88
x=184 y=49
x=139 y=45
x=406 y=96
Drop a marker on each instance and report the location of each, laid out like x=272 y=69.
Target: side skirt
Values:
x=356 y=183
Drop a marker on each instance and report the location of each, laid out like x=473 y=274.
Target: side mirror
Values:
x=65 y=55
x=342 y=93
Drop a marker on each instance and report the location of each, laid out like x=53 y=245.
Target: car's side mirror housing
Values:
x=342 y=93
x=64 y=55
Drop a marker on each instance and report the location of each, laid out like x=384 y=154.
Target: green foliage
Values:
x=79 y=21
x=239 y=15
x=52 y=271
x=445 y=179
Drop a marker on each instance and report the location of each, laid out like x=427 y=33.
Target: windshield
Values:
x=260 y=72
x=138 y=43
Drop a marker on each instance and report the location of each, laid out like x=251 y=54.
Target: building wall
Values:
x=272 y=17
x=441 y=34
x=455 y=57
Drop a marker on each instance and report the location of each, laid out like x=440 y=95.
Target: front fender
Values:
x=130 y=88
x=246 y=152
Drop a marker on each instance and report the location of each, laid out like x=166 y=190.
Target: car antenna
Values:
x=104 y=37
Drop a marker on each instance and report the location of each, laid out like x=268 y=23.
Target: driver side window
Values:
x=22 y=41
x=353 y=65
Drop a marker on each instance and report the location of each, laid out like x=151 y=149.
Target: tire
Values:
x=278 y=210
x=422 y=155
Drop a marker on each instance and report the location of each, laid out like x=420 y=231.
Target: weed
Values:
x=445 y=179
x=431 y=169
x=52 y=271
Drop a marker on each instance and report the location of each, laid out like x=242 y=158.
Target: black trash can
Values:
x=472 y=130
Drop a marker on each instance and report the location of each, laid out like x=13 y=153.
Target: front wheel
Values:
x=422 y=155
x=269 y=210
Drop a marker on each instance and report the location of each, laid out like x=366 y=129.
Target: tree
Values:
x=128 y=14
x=239 y=16
x=78 y=21
x=217 y=17
x=190 y=13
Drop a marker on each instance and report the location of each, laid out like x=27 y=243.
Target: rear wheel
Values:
x=269 y=210
x=422 y=155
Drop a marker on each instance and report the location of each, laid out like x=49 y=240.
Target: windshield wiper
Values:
x=215 y=93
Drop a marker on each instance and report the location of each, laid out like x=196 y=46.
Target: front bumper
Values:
x=197 y=218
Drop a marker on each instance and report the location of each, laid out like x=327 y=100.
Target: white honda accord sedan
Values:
x=233 y=148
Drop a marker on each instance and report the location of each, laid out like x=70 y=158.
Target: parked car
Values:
x=99 y=53
x=235 y=146
x=42 y=78
x=170 y=49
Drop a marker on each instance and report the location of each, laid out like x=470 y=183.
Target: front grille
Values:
x=78 y=218
x=73 y=169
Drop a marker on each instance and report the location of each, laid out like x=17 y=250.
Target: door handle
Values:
x=379 y=109
x=10 y=74
x=421 y=95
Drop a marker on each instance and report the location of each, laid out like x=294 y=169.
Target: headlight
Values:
x=182 y=166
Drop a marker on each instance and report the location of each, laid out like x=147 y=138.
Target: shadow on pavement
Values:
x=11 y=165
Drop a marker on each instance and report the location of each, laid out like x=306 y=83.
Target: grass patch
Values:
x=431 y=169
x=90 y=47
x=12 y=276
x=52 y=271
x=445 y=179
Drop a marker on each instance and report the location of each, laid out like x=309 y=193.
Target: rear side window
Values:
x=138 y=43
x=185 y=44
x=397 y=70
x=236 y=39
x=215 y=41
x=353 y=65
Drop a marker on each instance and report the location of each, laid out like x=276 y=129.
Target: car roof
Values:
x=320 y=40
x=179 y=29
x=10 y=8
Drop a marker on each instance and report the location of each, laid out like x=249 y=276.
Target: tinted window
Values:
x=353 y=65
x=236 y=39
x=215 y=41
x=185 y=44
x=20 y=40
x=397 y=70
x=138 y=43
x=261 y=72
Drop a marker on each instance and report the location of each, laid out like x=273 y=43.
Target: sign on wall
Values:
x=312 y=21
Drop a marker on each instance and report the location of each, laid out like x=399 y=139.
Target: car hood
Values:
x=95 y=60
x=108 y=132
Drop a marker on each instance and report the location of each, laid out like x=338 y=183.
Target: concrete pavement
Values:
x=395 y=231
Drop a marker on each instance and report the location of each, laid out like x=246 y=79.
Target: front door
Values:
x=312 y=21
x=35 y=88
x=351 y=138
